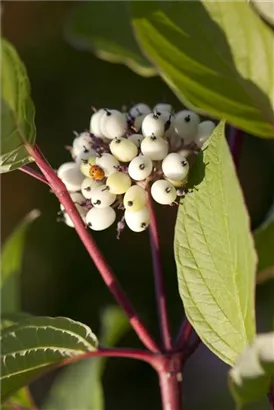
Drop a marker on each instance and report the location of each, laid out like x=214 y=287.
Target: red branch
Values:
x=158 y=278
x=35 y=174
x=108 y=276
x=126 y=353
x=184 y=335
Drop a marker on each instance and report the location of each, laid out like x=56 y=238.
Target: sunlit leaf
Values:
x=34 y=345
x=17 y=110
x=215 y=55
x=265 y=9
x=215 y=255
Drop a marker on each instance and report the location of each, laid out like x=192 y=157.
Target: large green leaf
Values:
x=21 y=397
x=80 y=386
x=104 y=29
x=250 y=379
x=11 y=261
x=214 y=253
x=215 y=55
x=10 y=319
x=265 y=9
x=264 y=242
x=17 y=110
x=34 y=345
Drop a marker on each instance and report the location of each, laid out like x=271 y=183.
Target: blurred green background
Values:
x=58 y=277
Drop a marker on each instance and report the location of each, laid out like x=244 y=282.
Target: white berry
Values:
x=81 y=143
x=163 y=192
x=139 y=109
x=86 y=164
x=138 y=221
x=72 y=178
x=135 y=198
x=64 y=167
x=78 y=200
x=123 y=149
x=136 y=139
x=113 y=124
x=175 y=166
x=108 y=163
x=205 y=129
x=186 y=125
x=118 y=182
x=162 y=107
x=137 y=125
x=99 y=219
x=178 y=184
x=140 y=168
x=155 y=148
x=185 y=152
x=95 y=122
x=84 y=155
x=88 y=185
x=101 y=197
x=153 y=125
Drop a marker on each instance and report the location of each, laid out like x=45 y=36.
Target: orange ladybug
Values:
x=96 y=173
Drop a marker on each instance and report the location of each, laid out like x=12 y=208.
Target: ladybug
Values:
x=96 y=173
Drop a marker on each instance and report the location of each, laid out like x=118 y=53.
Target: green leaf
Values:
x=104 y=29
x=250 y=378
x=216 y=56
x=11 y=262
x=10 y=319
x=215 y=254
x=264 y=243
x=265 y=9
x=17 y=110
x=21 y=397
x=80 y=386
x=35 y=345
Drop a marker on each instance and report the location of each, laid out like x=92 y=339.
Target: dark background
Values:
x=58 y=277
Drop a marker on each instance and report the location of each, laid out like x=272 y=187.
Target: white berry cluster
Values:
x=123 y=154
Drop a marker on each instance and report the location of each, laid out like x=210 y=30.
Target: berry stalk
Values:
x=158 y=278
x=108 y=276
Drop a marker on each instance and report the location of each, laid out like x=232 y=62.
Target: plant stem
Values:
x=184 y=335
x=108 y=276
x=191 y=349
x=136 y=354
x=170 y=378
x=158 y=278
x=35 y=174
x=235 y=141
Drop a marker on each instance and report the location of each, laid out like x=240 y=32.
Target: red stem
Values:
x=235 y=141
x=170 y=378
x=184 y=335
x=35 y=174
x=158 y=278
x=136 y=354
x=108 y=276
